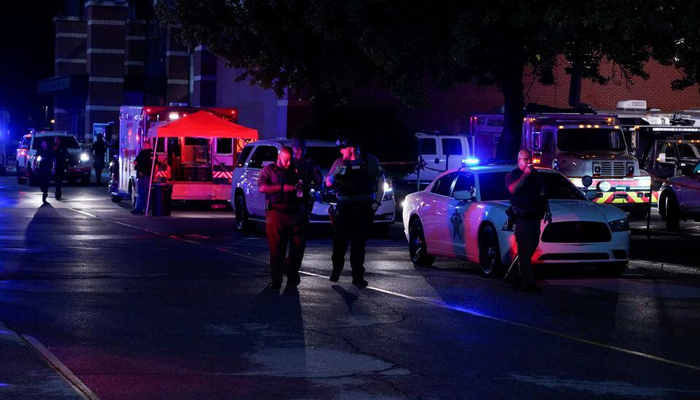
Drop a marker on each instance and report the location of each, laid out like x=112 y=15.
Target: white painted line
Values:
x=505 y=321
x=83 y=212
x=66 y=373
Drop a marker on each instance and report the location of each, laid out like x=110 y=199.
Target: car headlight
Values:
x=38 y=158
x=620 y=225
x=388 y=191
x=84 y=157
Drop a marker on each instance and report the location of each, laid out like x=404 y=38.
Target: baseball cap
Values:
x=347 y=141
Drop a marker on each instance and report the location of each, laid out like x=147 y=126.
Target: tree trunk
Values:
x=512 y=89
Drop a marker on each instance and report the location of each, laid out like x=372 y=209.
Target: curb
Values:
x=665 y=267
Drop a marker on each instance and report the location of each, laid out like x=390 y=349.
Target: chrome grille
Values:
x=576 y=232
x=613 y=168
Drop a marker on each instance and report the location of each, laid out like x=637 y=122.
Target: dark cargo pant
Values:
x=286 y=230
x=353 y=223
x=527 y=237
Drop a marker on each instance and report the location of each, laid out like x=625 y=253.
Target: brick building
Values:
x=113 y=53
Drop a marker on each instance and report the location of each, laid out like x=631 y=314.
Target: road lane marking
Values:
x=474 y=313
x=83 y=212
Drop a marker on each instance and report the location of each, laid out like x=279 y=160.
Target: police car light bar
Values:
x=470 y=161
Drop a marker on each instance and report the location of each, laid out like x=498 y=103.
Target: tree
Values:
x=330 y=49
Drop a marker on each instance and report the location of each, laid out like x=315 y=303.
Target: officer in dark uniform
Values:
x=61 y=164
x=528 y=199
x=99 y=148
x=358 y=179
x=309 y=172
x=45 y=157
x=287 y=220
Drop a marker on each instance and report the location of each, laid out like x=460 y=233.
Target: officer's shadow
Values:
x=350 y=297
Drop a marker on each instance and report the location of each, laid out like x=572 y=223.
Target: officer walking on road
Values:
x=287 y=220
x=46 y=164
x=309 y=172
x=61 y=166
x=99 y=149
x=528 y=199
x=358 y=179
x=143 y=164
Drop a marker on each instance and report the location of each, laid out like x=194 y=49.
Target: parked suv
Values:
x=79 y=161
x=679 y=198
x=249 y=203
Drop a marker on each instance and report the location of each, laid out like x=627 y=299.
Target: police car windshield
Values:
x=323 y=156
x=67 y=142
x=585 y=139
x=492 y=186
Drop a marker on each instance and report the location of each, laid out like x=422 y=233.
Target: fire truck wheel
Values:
x=243 y=223
x=639 y=212
x=416 y=245
x=132 y=195
x=490 y=253
x=672 y=217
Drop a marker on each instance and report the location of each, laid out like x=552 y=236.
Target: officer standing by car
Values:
x=309 y=172
x=286 y=217
x=99 y=148
x=45 y=157
x=143 y=164
x=358 y=179
x=528 y=199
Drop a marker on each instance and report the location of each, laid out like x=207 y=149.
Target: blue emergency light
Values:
x=470 y=161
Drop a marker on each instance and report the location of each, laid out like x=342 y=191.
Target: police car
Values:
x=679 y=198
x=462 y=214
x=249 y=204
x=26 y=164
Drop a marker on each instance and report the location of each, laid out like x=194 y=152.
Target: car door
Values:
x=430 y=154
x=433 y=210
x=222 y=160
x=688 y=193
x=460 y=211
x=262 y=156
x=452 y=151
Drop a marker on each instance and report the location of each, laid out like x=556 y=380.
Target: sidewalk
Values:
x=28 y=371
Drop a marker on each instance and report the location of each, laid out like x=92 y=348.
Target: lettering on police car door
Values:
x=456 y=221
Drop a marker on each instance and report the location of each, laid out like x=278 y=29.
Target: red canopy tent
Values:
x=203 y=124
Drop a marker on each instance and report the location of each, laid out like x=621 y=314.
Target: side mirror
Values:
x=587 y=181
x=464 y=195
x=661 y=158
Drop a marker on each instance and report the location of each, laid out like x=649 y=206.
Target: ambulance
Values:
x=197 y=164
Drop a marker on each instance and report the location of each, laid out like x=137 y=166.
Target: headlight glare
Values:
x=84 y=157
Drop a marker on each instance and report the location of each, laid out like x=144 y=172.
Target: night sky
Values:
x=27 y=56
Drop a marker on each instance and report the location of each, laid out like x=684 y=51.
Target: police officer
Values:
x=309 y=172
x=286 y=218
x=99 y=148
x=528 y=199
x=143 y=165
x=45 y=157
x=61 y=165
x=357 y=178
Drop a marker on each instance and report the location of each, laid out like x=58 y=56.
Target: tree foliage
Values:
x=333 y=48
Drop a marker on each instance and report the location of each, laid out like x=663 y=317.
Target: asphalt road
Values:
x=137 y=307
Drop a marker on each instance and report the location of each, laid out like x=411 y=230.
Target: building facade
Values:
x=113 y=53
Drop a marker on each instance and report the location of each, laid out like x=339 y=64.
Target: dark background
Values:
x=27 y=49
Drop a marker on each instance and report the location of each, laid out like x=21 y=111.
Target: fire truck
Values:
x=199 y=166
x=587 y=145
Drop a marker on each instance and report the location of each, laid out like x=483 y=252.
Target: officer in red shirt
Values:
x=286 y=218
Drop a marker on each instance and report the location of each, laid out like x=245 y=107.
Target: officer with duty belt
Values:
x=358 y=179
x=287 y=220
x=528 y=198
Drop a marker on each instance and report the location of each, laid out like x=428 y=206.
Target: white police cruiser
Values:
x=462 y=214
x=679 y=199
x=249 y=204
x=26 y=164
